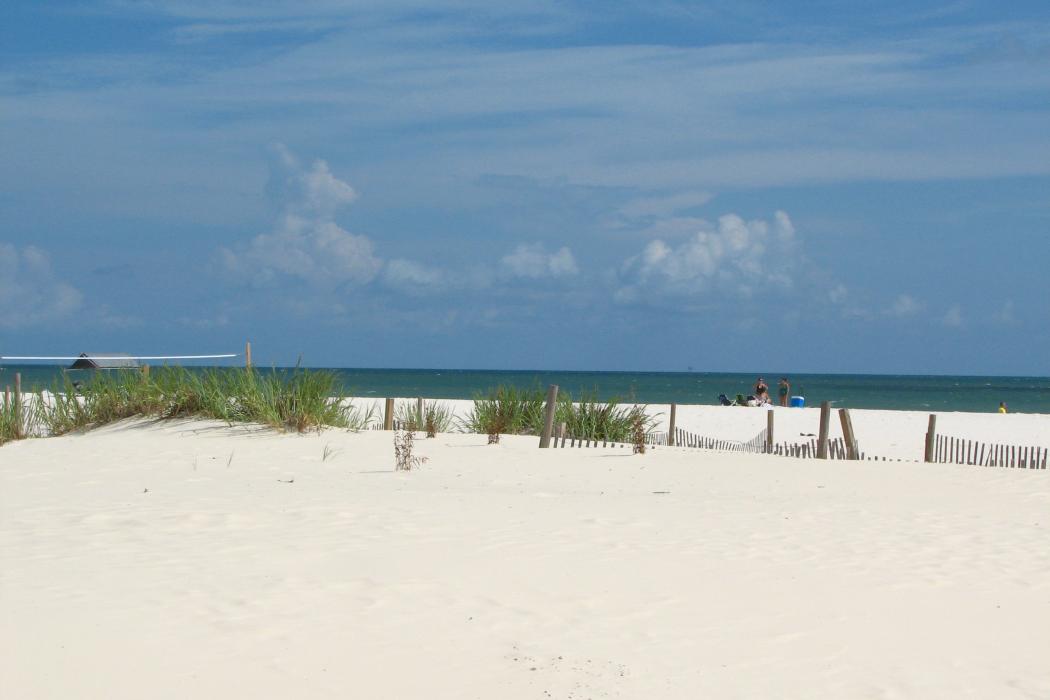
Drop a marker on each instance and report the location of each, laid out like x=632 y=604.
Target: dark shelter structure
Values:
x=104 y=360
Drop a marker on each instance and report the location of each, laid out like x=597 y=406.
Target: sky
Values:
x=740 y=185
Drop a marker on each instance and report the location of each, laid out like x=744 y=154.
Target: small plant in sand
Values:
x=404 y=460
x=639 y=434
x=430 y=422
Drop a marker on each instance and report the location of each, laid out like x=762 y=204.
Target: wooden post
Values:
x=548 y=418
x=848 y=437
x=825 y=426
x=670 y=430
x=930 y=438
x=769 y=430
x=145 y=371
x=419 y=413
x=17 y=408
x=248 y=354
x=388 y=415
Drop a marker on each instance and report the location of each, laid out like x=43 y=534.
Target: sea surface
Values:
x=904 y=392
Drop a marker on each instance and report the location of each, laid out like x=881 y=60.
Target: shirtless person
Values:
x=762 y=391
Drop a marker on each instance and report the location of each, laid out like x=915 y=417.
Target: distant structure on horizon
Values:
x=104 y=360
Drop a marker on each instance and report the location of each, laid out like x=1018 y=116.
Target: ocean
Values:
x=902 y=392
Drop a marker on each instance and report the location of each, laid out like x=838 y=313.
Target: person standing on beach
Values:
x=1002 y=407
x=783 y=389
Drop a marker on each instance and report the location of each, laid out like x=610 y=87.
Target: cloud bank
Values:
x=30 y=292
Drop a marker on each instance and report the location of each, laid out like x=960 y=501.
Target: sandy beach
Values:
x=192 y=559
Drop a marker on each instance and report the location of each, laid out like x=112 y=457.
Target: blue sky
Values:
x=754 y=186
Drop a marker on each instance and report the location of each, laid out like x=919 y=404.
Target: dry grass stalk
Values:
x=639 y=435
x=403 y=458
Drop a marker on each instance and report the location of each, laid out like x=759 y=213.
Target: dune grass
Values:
x=299 y=400
x=12 y=422
x=436 y=417
x=513 y=411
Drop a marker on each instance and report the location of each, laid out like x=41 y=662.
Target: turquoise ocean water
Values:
x=905 y=392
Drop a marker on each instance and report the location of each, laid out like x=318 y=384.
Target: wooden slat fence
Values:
x=948 y=449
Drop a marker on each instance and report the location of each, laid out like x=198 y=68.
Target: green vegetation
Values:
x=435 y=415
x=12 y=424
x=299 y=400
x=508 y=410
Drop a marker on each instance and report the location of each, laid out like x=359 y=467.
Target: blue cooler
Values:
x=798 y=401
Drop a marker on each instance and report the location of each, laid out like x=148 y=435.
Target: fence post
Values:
x=388 y=415
x=931 y=438
x=18 y=405
x=847 y=434
x=248 y=354
x=825 y=425
x=769 y=430
x=419 y=411
x=670 y=429
x=548 y=418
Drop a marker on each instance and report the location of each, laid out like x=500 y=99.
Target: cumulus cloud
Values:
x=411 y=277
x=904 y=305
x=306 y=242
x=531 y=261
x=30 y=293
x=735 y=256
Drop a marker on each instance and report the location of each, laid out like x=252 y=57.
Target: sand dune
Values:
x=196 y=560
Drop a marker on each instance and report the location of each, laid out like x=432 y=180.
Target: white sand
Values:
x=174 y=561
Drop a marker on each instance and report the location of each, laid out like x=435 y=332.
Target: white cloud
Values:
x=30 y=293
x=414 y=278
x=531 y=261
x=953 y=317
x=306 y=242
x=664 y=206
x=904 y=305
x=838 y=294
x=736 y=256
x=1005 y=315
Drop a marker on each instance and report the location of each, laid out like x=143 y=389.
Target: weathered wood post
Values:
x=145 y=371
x=670 y=428
x=388 y=415
x=248 y=354
x=852 y=452
x=931 y=438
x=825 y=426
x=769 y=431
x=17 y=408
x=548 y=417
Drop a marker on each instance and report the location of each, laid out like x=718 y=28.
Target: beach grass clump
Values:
x=13 y=421
x=434 y=418
x=513 y=411
x=299 y=400
x=506 y=410
x=592 y=419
